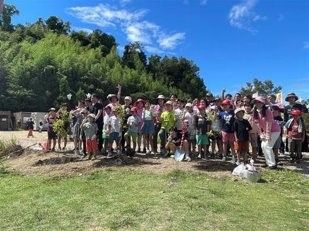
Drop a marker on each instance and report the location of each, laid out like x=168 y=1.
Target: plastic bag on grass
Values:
x=247 y=172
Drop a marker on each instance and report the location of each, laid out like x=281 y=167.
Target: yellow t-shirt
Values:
x=168 y=120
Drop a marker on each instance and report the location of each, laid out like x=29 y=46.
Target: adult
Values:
x=127 y=113
x=269 y=130
x=97 y=109
x=52 y=135
x=140 y=104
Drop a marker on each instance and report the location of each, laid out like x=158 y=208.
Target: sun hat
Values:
x=52 y=109
x=291 y=95
x=277 y=107
x=237 y=110
x=169 y=102
x=111 y=96
x=161 y=97
x=189 y=105
x=260 y=99
x=91 y=115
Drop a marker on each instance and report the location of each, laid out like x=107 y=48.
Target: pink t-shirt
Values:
x=267 y=124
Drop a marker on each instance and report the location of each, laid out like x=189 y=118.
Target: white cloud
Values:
x=171 y=41
x=124 y=2
x=131 y=23
x=243 y=15
x=203 y=2
x=306 y=45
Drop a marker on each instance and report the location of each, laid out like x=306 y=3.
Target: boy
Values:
x=90 y=129
x=106 y=128
x=114 y=136
x=227 y=131
x=295 y=134
x=202 y=128
x=241 y=128
x=168 y=121
x=133 y=126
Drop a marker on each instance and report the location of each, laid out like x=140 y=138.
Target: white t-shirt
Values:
x=114 y=123
x=178 y=115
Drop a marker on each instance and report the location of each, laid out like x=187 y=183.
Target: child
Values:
x=90 y=128
x=215 y=130
x=114 y=124
x=140 y=104
x=227 y=131
x=132 y=133
x=168 y=121
x=78 y=115
x=106 y=128
x=29 y=125
x=148 y=128
x=189 y=116
x=296 y=135
x=241 y=128
x=178 y=139
x=52 y=135
x=278 y=118
x=202 y=128
x=253 y=134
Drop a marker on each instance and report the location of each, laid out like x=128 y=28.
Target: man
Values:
x=158 y=109
x=97 y=109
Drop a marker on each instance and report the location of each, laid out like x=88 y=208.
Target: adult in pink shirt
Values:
x=269 y=130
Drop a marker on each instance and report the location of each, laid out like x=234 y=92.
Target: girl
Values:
x=148 y=128
x=253 y=134
x=106 y=128
x=189 y=116
x=269 y=130
x=78 y=115
x=114 y=124
x=215 y=130
x=140 y=104
x=278 y=118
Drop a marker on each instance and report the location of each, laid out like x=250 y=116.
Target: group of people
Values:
x=227 y=127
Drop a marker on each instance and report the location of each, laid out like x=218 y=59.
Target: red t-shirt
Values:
x=293 y=132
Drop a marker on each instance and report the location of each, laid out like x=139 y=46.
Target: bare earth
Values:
x=60 y=163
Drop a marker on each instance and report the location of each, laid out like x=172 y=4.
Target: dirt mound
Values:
x=57 y=160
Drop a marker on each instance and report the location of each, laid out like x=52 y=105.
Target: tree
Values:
x=56 y=25
x=6 y=20
x=265 y=88
x=134 y=55
x=102 y=40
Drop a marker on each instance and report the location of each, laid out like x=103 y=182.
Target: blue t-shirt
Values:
x=227 y=121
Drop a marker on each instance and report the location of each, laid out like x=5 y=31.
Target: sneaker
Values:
x=187 y=158
x=110 y=155
x=233 y=160
x=223 y=158
x=148 y=152
x=82 y=153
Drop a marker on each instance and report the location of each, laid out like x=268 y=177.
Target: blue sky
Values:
x=232 y=41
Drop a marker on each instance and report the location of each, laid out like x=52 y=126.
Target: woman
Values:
x=269 y=130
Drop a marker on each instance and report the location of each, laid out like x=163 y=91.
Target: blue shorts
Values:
x=114 y=136
x=148 y=128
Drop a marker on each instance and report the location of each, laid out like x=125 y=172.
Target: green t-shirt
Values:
x=168 y=120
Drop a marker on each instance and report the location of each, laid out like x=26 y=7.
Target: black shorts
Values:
x=52 y=135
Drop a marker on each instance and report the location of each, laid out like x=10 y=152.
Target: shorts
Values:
x=253 y=138
x=242 y=146
x=131 y=134
x=148 y=127
x=114 y=136
x=92 y=146
x=202 y=139
x=52 y=135
x=227 y=137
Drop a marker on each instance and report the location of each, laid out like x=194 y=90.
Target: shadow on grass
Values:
x=214 y=166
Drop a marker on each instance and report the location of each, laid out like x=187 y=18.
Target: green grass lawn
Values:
x=133 y=200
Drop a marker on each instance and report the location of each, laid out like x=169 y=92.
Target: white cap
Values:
x=189 y=105
x=161 y=97
x=128 y=98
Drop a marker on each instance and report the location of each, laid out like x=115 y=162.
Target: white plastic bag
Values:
x=238 y=170
x=247 y=172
